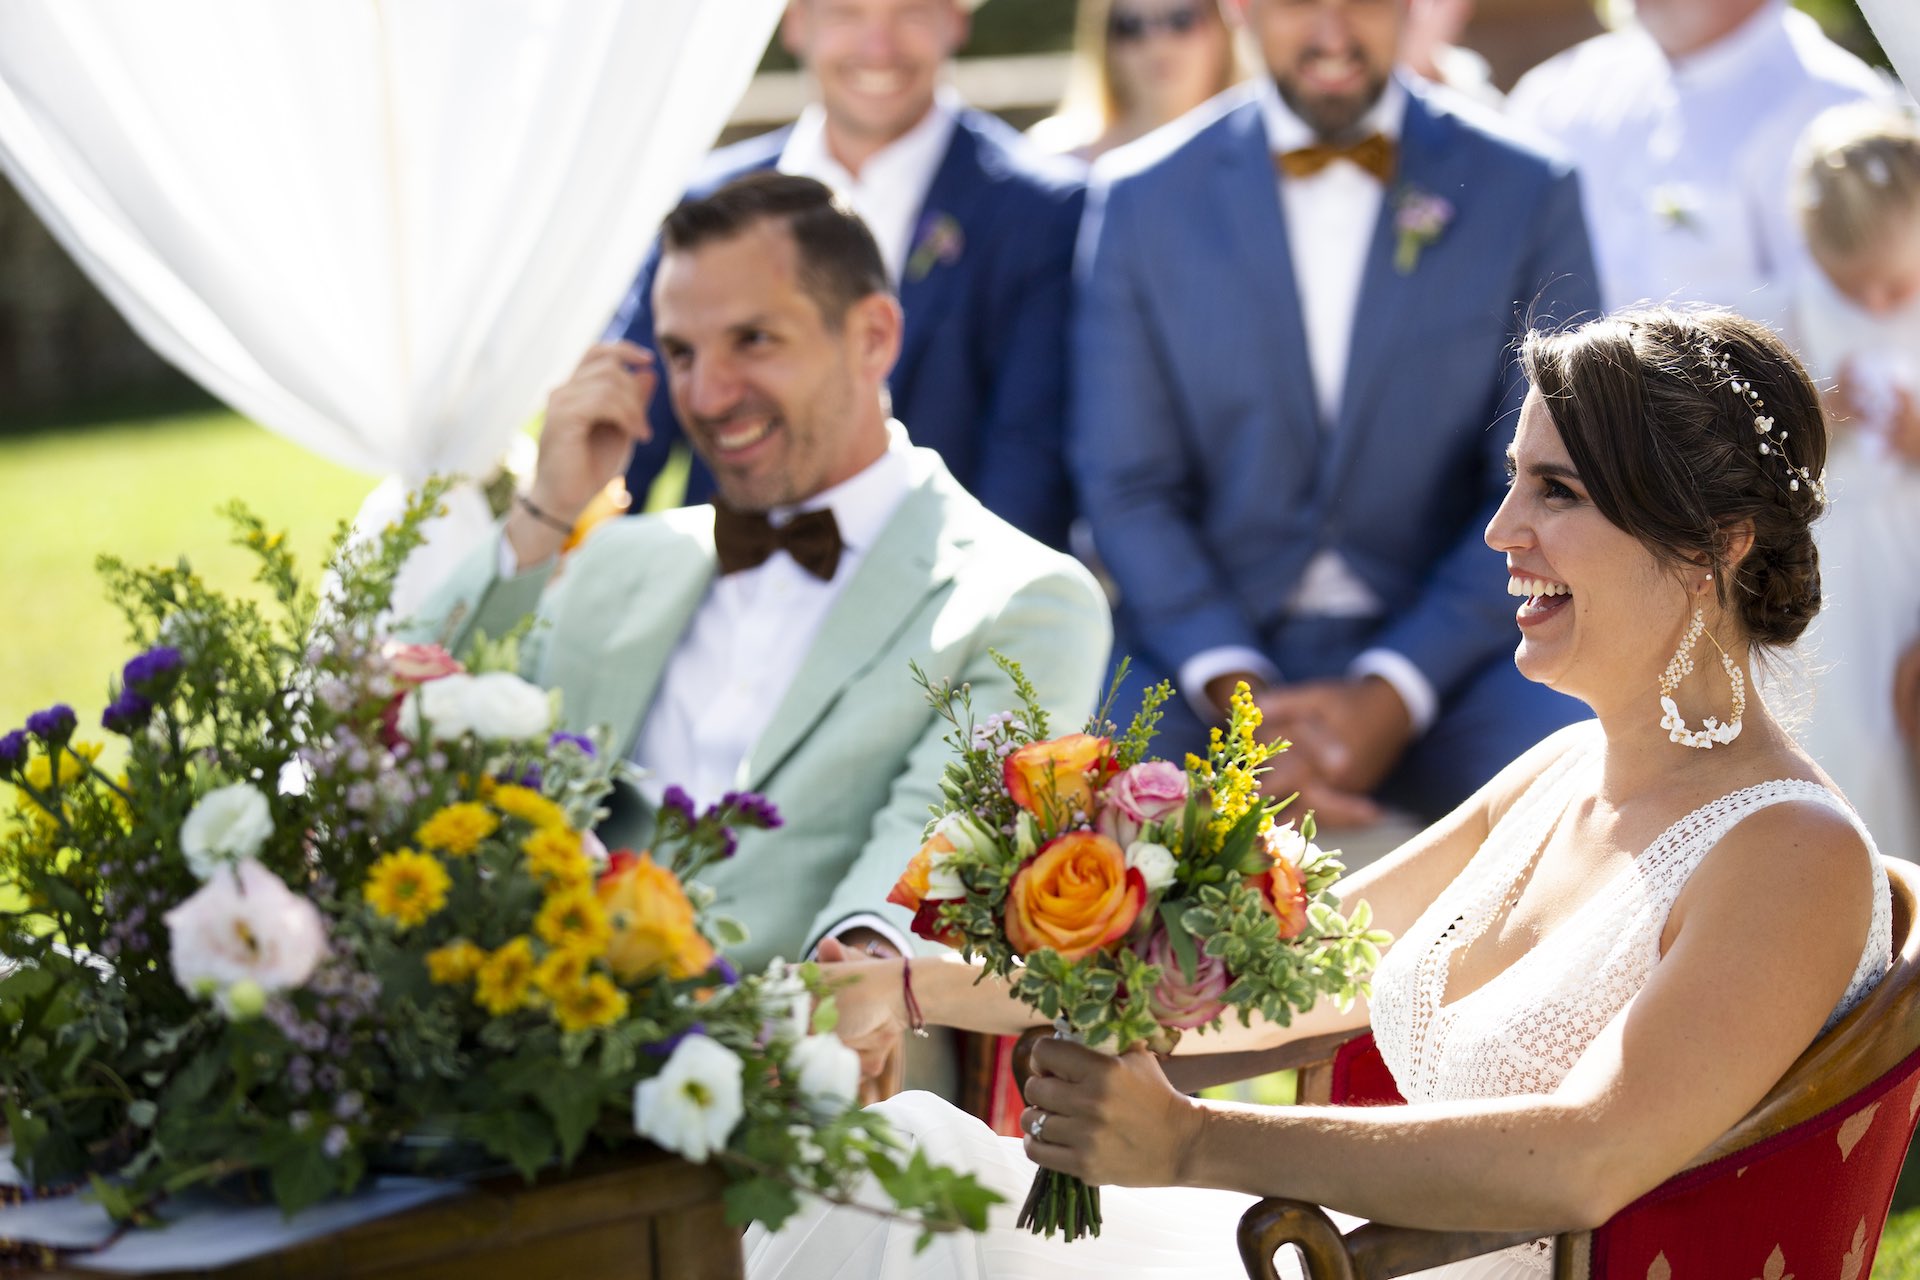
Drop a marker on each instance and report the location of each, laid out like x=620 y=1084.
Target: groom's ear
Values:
x=872 y=330
x=793 y=29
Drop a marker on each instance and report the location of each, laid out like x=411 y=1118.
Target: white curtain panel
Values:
x=382 y=228
x=1897 y=25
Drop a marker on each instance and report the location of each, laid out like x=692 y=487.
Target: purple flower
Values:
x=677 y=799
x=13 y=750
x=724 y=971
x=752 y=809
x=153 y=673
x=729 y=842
x=665 y=1048
x=128 y=714
x=584 y=743
x=54 y=725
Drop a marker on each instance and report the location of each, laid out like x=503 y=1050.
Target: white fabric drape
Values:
x=381 y=228
x=1896 y=24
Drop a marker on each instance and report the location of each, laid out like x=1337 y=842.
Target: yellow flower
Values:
x=458 y=829
x=560 y=972
x=503 y=980
x=528 y=805
x=407 y=887
x=595 y=1002
x=574 y=920
x=455 y=963
x=38 y=772
x=555 y=858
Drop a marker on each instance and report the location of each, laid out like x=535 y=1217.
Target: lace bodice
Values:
x=1523 y=1031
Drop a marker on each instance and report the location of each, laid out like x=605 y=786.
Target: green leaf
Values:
x=760 y=1200
x=522 y=1138
x=301 y=1176
x=572 y=1099
x=1178 y=937
x=193 y=1082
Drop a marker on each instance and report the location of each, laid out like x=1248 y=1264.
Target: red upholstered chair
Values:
x=1800 y=1187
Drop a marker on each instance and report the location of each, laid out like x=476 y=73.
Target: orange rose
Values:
x=1075 y=896
x=1284 y=894
x=1053 y=780
x=652 y=921
x=910 y=891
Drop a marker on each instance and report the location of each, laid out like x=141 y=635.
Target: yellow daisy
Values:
x=562 y=970
x=407 y=887
x=574 y=920
x=556 y=859
x=458 y=829
x=455 y=963
x=505 y=977
x=528 y=805
x=595 y=1002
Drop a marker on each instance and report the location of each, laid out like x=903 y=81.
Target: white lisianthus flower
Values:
x=965 y=835
x=829 y=1075
x=228 y=825
x=692 y=1106
x=785 y=993
x=242 y=936
x=1286 y=842
x=943 y=881
x=496 y=706
x=1155 y=863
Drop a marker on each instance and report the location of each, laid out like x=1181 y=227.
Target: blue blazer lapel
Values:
x=1386 y=292
x=1259 y=246
x=930 y=280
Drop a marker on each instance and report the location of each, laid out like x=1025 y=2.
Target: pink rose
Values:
x=419 y=663
x=1145 y=793
x=1176 y=1002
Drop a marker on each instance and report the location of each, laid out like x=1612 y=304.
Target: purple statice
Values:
x=13 y=750
x=584 y=743
x=752 y=808
x=724 y=971
x=665 y=1048
x=54 y=725
x=127 y=715
x=677 y=799
x=729 y=842
x=152 y=674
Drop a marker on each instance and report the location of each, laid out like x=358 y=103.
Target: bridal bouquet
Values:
x=1125 y=898
x=332 y=905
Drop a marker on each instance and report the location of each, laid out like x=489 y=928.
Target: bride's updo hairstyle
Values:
x=1685 y=425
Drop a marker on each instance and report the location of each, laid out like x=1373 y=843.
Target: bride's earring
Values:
x=1711 y=731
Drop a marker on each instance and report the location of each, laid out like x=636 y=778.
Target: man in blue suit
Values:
x=1293 y=392
x=976 y=230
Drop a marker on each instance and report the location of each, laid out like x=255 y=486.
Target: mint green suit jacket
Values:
x=853 y=755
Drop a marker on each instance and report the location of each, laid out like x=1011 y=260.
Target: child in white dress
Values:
x=1857 y=322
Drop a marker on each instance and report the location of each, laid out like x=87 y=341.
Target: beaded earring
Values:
x=1711 y=731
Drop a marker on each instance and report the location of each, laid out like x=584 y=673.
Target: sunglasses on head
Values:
x=1125 y=27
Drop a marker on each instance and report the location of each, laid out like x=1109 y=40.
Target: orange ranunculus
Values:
x=910 y=891
x=652 y=921
x=1284 y=894
x=1075 y=896
x=1053 y=780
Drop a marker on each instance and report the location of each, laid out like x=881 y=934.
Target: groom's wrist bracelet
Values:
x=916 y=1021
x=546 y=518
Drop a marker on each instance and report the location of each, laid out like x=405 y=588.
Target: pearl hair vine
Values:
x=1772 y=443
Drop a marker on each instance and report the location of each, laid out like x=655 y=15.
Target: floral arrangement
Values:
x=339 y=908
x=1419 y=218
x=1128 y=899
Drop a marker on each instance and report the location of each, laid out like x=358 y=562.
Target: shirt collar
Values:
x=907 y=163
x=1734 y=53
x=1288 y=132
x=864 y=502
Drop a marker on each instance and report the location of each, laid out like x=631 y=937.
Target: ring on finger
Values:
x=1038 y=1123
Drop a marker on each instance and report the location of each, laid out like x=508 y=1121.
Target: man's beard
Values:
x=1331 y=119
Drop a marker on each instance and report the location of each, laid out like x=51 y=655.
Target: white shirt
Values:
x=892 y=185
x=1685 y=165
x=1334 y=213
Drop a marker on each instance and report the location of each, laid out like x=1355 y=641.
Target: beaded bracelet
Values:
x=916 y=1021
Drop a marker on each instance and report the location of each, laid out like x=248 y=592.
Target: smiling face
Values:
x=1598 y=613
x=1166 y=57
x=877 y=63
x=1883 y=277
x=1329 y=58
x=780 y=403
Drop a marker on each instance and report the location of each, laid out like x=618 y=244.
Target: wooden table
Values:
x=641 y=1216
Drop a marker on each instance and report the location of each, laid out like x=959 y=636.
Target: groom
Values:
x=1293 y=390
x=763 y=643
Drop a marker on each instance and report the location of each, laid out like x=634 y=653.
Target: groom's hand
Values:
x=592 y=422
x=1352 y=732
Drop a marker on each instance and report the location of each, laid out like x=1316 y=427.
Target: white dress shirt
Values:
x=892 y=185
x=1685 y=164
x=1330 y=219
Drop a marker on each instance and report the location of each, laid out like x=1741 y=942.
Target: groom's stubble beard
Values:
x=1332 y=118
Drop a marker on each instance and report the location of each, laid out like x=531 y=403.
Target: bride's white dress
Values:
x=1520 y=1033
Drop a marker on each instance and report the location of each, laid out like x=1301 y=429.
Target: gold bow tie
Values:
x=1374 y=153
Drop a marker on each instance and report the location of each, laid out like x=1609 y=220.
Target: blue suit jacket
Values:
x=1196 y=441
x=981 y=377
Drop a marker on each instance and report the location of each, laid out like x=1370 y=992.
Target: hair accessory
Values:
x=1679 y=667
x=1772 y=443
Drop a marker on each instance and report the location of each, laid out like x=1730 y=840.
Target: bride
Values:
x=1605 y=957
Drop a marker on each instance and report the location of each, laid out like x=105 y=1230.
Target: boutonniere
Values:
x=940 y=241
x=1676 y=205
x=1419 y=217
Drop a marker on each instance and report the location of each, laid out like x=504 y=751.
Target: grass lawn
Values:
x=148 y=490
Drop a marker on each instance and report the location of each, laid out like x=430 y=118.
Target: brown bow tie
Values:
x=1374 y=153
x=744 y=540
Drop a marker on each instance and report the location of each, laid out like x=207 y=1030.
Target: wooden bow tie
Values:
x=1374 y=153
x=744 y=540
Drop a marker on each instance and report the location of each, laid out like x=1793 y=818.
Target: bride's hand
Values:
x=868 y=996
x=1106 y=1120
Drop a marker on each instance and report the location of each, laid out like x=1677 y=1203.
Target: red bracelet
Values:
x=916 y=1021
